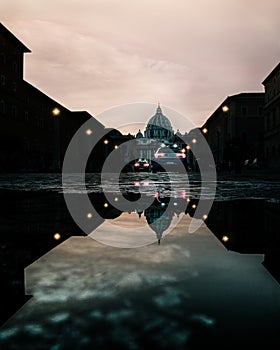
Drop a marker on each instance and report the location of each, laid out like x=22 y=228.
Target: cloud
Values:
x=97 y=54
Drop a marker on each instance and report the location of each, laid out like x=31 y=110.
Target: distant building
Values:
x=235 y=131
x=159 y=127
x=158 y=131
x=272 y=118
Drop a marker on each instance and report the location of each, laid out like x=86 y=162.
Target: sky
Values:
x=190 y=55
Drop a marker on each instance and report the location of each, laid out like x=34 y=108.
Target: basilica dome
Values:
x=159 y=127
x=160 y=120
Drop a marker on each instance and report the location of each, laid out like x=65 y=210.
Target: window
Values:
x=2 y=107
x=244 y=136
x=268 y=122
x=41 y=123
x=277 y=114
x=15 y=67
x=2 y=79
x=273 y=118
x=14 y=111
x=244 y=110
x=2 y=58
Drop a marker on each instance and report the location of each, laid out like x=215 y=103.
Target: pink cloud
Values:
x=93 y=55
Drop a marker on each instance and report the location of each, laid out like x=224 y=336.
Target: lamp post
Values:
x=56 y=156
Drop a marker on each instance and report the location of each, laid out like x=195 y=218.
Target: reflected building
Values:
x=30 y=227
x=248 y=227
x=160 y=214
x=272 y=238
x=158 y=218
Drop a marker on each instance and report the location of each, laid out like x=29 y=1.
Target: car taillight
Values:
x=146 y=164
x=180 y=155
x=159 y=155
x=136 y=164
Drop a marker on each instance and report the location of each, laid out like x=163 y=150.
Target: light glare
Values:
x=57 y=236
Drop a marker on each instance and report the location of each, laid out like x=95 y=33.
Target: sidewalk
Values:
x=251 y=174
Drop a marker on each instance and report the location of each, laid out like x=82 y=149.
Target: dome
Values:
x=139 y=135
x=160 y=120
x=159 y=127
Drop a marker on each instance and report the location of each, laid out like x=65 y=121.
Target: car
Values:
x=142 y=164
x=169 y=158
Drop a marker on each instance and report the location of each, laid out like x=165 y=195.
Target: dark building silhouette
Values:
x=159 y=127
x=272 y=118
x=235 y=131
x=247 y=226
x=239 y=225
x=30 y=227
x=36 y=129
x=272 y=238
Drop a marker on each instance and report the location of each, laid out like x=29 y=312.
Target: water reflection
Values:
x=186 y=293
x=250 y=227
x=35 y=222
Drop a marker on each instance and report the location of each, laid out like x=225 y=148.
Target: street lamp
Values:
x=57 y=236
x=225 y=238
x=225 y=108
x=55 y=111
x=204 y=130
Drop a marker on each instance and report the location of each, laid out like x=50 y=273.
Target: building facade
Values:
x=159 y=127
x=158 y=131
x=272 y=118
x=235 y=131
x=35 y=129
